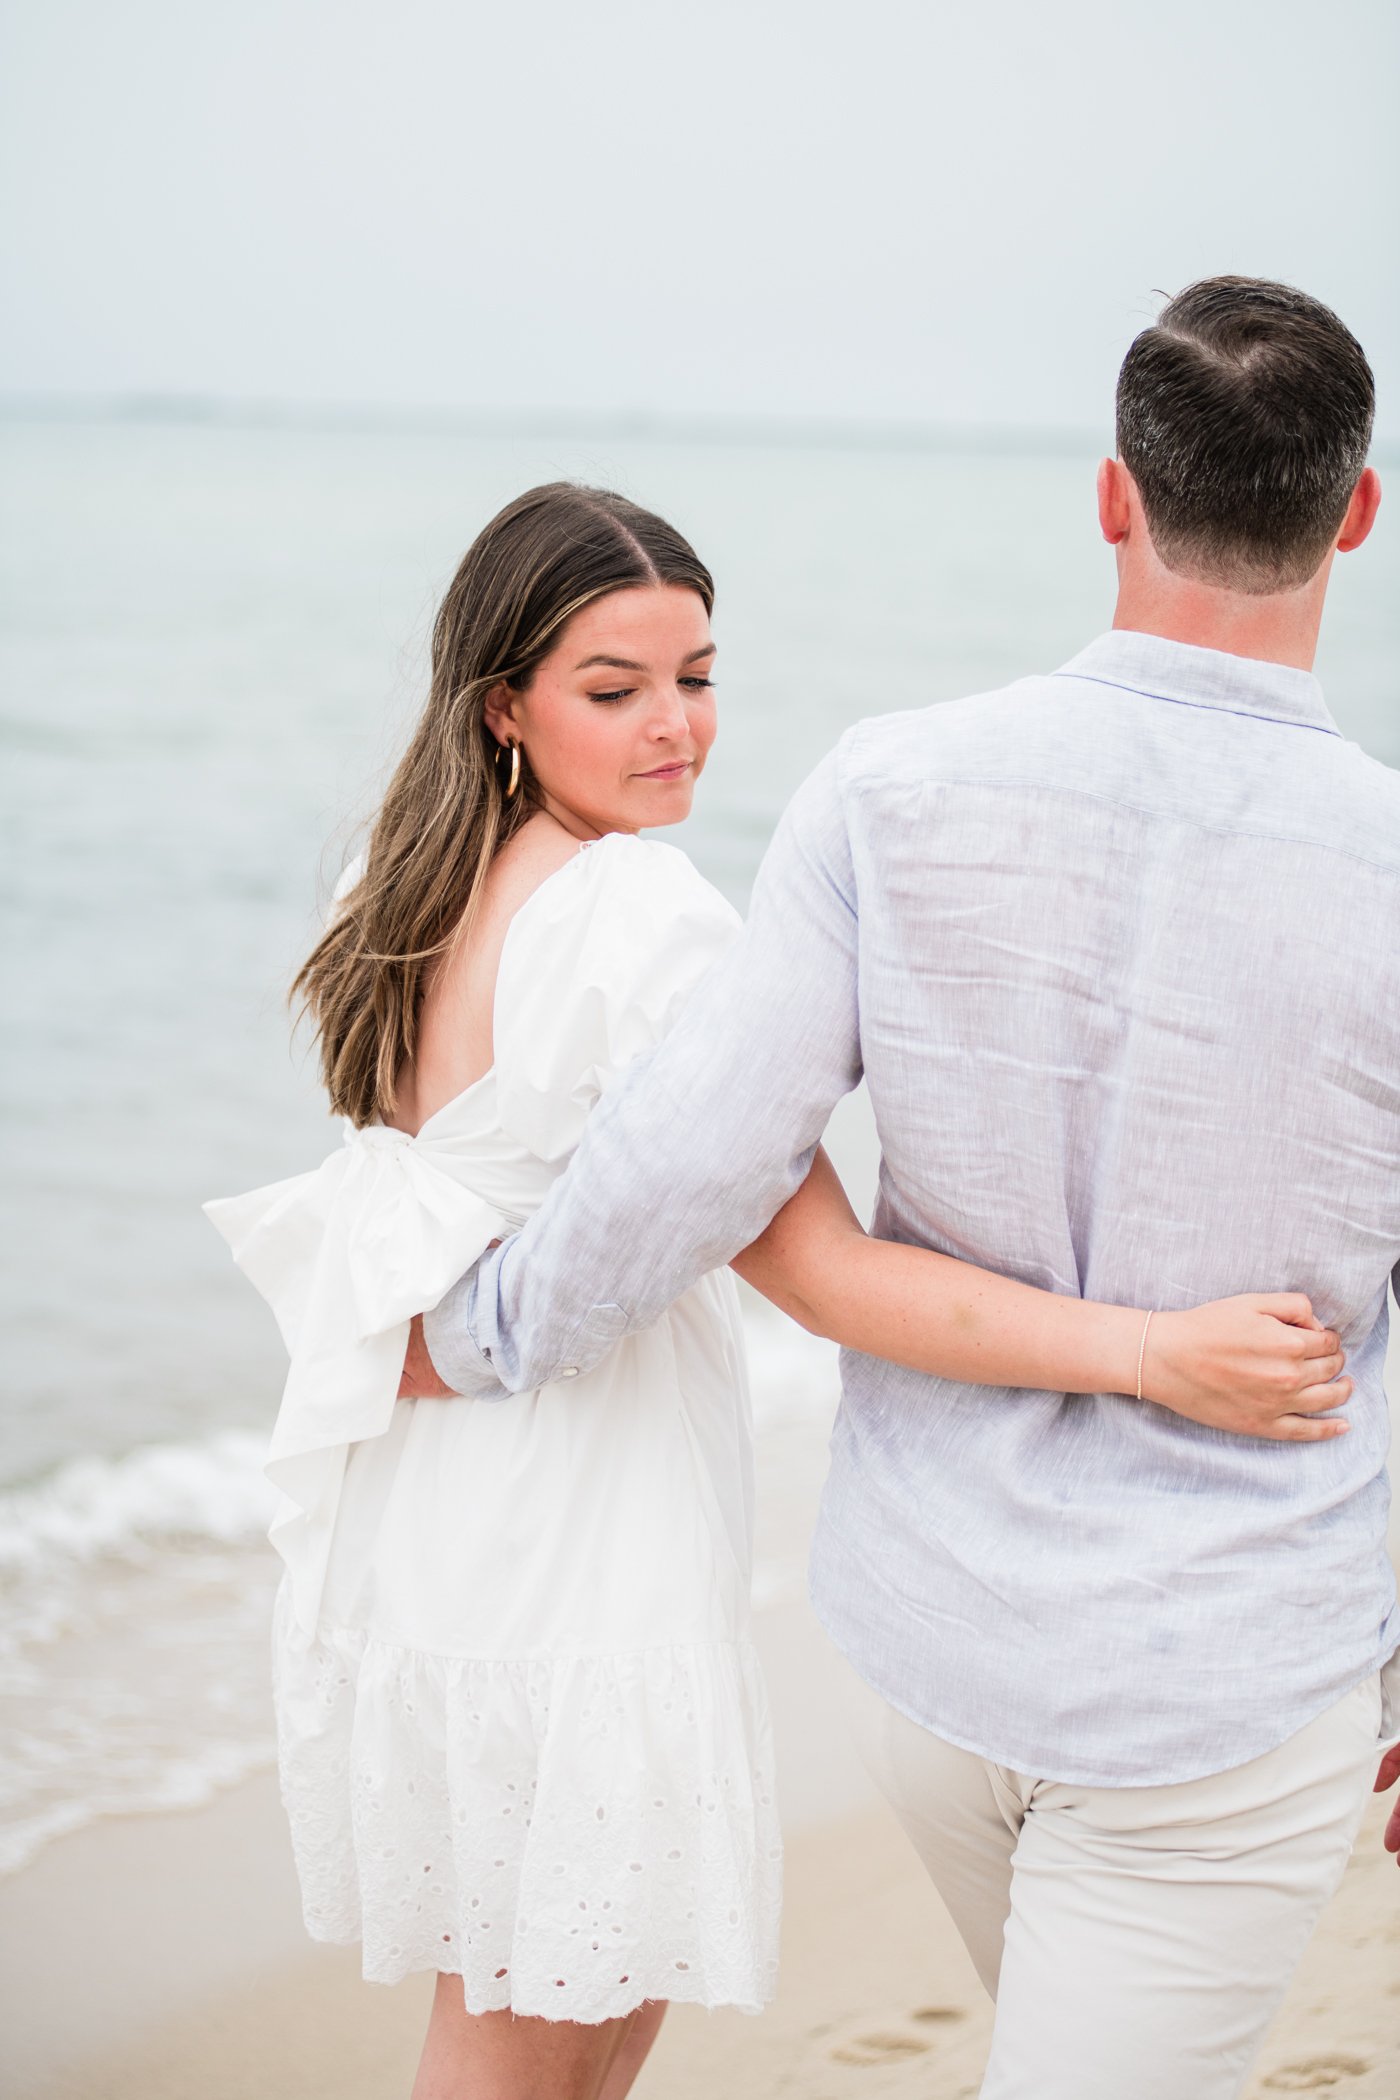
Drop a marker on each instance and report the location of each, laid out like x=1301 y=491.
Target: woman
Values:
x=523 y=1738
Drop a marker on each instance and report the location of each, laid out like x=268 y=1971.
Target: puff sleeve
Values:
x=599 y=967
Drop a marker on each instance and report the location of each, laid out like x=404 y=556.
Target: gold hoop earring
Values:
x=512 y=787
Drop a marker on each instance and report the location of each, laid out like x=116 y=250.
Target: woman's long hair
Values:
x=445 y=816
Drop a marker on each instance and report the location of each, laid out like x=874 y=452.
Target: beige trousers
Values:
x=1137 y=1940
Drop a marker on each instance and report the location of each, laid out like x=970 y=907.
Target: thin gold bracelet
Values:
x=1142 y=1350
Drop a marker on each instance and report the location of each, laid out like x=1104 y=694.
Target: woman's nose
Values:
x=669 y=717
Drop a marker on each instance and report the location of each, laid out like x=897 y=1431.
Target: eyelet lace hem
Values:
x=571 y=1835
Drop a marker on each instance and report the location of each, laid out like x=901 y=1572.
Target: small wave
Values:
x=133 y=1663
x=161 y=1494
x=133 y=1660
x=185 y=1782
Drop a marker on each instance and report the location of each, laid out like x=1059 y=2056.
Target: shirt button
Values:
x=569 y=1371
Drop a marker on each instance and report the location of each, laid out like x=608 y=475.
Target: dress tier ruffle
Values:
x=572 y=1835
x=522 y=1733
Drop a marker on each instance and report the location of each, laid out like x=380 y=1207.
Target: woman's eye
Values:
x=611 y=699
x=698 y=685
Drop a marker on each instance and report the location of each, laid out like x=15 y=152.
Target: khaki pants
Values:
x=1137 y=1940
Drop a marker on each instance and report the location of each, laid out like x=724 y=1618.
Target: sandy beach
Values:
x=162 y=1957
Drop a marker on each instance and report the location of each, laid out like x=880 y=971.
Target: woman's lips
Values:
x=672 y=772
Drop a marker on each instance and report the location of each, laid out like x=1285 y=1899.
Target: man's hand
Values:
x=419 y=1379
x=1387 y=1776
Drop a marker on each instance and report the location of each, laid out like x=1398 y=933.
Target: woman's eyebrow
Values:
x=623 y=663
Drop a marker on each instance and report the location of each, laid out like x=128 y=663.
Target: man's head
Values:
x=1244 y=419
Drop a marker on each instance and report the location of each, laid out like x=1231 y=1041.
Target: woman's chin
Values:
x=665 y=802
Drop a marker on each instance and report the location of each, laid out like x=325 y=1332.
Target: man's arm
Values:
x=1390 y=1763
x=686 y=1159
x=1386 y=1777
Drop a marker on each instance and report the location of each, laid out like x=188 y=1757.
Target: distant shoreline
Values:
x=761 y=433
x=780 y=433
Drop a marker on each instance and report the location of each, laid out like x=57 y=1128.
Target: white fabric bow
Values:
x=377 y=1233
x=410 y=1229
x=346 y=1256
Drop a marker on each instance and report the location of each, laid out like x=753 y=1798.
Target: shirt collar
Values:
x=1237 y=685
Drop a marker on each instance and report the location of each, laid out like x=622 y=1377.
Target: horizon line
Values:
x=661 y=426
x=834 y=433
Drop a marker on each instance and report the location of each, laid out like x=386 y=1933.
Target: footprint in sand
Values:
x=868 y=2049
x=891 y=2046
x=1316 y=2074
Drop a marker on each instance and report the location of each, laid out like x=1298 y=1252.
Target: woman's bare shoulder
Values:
x=538 y=850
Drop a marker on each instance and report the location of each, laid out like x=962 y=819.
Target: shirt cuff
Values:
x=447 y=1331
x=469 y=1367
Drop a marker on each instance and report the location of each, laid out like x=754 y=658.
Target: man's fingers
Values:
x=1389 y=1771
x=418 y=1379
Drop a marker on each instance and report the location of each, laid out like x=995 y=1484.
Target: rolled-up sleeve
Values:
x=688 y=1156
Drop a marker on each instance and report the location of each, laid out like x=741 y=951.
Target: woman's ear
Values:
x=498 y=712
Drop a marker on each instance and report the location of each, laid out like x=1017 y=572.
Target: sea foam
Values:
x=159 y=1493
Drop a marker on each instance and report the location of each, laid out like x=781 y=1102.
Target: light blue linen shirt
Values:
x=1118 y=951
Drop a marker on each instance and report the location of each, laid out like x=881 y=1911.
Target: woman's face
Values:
x=619 y=718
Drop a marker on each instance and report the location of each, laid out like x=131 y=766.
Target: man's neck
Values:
x=1280 y=629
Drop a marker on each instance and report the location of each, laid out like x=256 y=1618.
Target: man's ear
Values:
x=1115 y=511
x=1361 y=511
x=498 y=712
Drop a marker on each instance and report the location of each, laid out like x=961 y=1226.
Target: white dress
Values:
x=522 y=1732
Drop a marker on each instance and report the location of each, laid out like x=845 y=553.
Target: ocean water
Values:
x=212 y=640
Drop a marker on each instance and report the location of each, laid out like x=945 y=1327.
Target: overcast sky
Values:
x=869 y=211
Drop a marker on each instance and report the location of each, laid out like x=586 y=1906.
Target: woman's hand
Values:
x=1259 y=1365
x=1255 y=1366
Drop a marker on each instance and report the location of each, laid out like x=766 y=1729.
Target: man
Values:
x=1118 y=951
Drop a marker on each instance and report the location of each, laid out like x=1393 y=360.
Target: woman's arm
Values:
x=1258 y=1365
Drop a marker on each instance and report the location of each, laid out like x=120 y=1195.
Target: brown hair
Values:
x=551 y=552
x=1244 y=417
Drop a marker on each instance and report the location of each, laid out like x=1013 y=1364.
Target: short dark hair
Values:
x=1244 y=417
